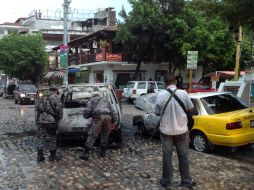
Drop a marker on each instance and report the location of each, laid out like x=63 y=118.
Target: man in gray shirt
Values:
x=174 y=131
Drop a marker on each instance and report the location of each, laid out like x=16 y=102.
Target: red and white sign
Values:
x=113 y=56
x=109 y=57
x=100 y=57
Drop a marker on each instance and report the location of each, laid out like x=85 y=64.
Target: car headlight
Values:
x=22 y=95
x=40 y=94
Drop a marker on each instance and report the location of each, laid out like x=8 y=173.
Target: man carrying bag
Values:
x=174 y=131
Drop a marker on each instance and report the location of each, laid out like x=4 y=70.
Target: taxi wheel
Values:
x=200 y=142
x=143 y=130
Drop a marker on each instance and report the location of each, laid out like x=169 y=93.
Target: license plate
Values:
x=32 y=99
x=252 y=123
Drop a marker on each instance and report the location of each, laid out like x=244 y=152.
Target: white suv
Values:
x=134 y=89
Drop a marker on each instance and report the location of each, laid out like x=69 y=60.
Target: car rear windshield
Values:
x=222 y=103
x=130 y=85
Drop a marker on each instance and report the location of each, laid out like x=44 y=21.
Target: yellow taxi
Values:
x=221 y=119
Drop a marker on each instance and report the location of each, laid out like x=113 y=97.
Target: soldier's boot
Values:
x=85 y=155
x=53 y=156
x=103 y=151
x=40 y=157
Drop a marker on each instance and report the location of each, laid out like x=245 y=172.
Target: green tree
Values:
x=173 y=27
x=139 y=30
x=235 y=13
x=211 y=37
x=23 y=56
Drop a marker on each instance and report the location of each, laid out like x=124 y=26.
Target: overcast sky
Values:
x=11 y=10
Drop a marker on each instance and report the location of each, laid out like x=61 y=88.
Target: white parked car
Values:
x=135 y=89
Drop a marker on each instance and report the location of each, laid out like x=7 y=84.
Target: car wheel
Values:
x=200 y=142
x=130 y=100
x=143 y=130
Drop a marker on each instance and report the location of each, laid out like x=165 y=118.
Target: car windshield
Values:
x=222 y=103
x=130 y=85
x=28 y=87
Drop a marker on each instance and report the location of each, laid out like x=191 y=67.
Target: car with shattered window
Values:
x=73 y=125
x=24 y=92
x=219 y=119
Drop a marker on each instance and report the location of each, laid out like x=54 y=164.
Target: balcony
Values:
x=74 y=59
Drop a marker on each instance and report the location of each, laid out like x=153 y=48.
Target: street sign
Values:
x=63 y=60
x=192 y=60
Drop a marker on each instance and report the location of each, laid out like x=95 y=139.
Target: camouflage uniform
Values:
x=103 y=115
x=46 y=120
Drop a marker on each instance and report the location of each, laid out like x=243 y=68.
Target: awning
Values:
x=73 y=70
x=49 y=74
x=84 y=69
x=224 y=74
x=59 y=74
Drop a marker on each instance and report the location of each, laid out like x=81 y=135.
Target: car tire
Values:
x=130 y=100
x=143 y=130
x=200 y=143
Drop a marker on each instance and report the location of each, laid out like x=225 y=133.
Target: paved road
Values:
x=137 y=165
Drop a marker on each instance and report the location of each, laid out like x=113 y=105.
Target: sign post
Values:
x=65 y=47
x=192 y=62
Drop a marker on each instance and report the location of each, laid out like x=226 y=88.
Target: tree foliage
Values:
x=174 y=27
x=23 y=56
x=139 y=29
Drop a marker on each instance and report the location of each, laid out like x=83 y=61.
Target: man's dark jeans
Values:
x=182 y=147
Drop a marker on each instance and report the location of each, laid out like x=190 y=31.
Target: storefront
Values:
x=119 y=73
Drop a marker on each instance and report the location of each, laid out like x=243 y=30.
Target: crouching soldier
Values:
x=49 y=112
x=103 y=117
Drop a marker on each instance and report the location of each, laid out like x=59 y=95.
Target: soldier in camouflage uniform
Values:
x=103 y=115
x=49 y=112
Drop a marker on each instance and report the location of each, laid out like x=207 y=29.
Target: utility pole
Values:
x=238 y=52
x=65 y=37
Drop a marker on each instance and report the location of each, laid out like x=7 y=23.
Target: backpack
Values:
x=42 y=107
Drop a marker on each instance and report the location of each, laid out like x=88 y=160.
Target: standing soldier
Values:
x=103 y=117
x=49 y=112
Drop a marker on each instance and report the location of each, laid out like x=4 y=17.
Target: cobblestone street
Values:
x=137 y=165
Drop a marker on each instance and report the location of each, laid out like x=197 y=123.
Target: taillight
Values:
x=134 y=91
x=235 y=125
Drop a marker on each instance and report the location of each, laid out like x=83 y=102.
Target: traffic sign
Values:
x=64 y=60
x=192 y=60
